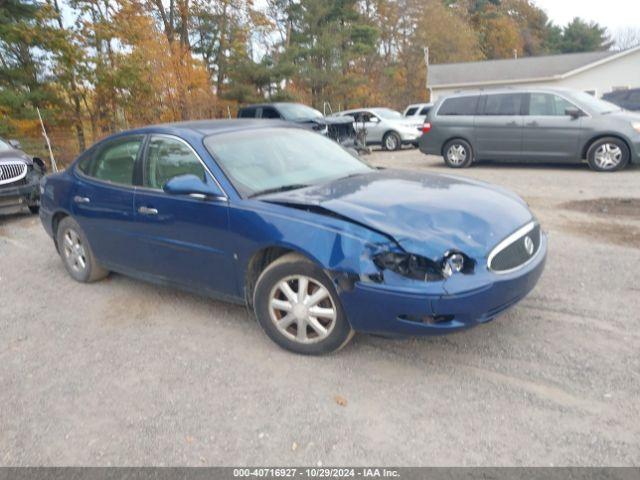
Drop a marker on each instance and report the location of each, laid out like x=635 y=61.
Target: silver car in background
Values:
x=416 y=110
x=385 y=127
x=532 y=125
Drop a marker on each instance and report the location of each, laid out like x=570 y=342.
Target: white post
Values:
x=426 y=66
x=54 y=165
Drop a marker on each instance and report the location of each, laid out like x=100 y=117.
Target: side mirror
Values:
x=573 y=112
x=15 y=144
x=193 y=186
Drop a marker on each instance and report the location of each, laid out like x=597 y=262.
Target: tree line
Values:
x=95 y=67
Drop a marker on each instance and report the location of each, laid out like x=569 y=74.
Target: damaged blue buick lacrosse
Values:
x=318 y=243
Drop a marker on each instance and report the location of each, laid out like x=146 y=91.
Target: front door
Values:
x=498 y=127
x=103 y=200
x=549 y=134
x=185 y=239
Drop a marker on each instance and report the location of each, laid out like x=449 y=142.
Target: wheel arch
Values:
x=260 y=260
x=56 y=218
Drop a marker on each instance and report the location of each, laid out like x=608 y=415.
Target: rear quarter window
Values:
x=459 y=106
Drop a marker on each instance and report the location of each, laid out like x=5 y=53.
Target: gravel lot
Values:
x=126 y=373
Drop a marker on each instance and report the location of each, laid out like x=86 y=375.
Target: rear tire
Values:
x=298 y=307
x=608 y=154
x=391 y=141
x=76 y=253
x=457 y=153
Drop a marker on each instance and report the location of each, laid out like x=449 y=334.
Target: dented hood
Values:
x=427 y=214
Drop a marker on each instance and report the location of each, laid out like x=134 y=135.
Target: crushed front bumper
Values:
x=479 y=298
x=24 y=193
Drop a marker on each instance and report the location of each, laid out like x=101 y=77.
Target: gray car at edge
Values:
x=531 y=125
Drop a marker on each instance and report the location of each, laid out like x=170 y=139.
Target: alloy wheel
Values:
x=456 y=154
x=391 y=142
x=74 y=252
x=302 y=309
x=608 y=156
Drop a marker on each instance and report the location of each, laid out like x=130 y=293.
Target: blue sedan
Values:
x=318 y=243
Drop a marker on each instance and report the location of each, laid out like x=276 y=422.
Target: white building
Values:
x=593 y=72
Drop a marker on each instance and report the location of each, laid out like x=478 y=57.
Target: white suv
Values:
x=417 y=110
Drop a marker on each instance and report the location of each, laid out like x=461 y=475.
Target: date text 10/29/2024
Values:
x=318 y=472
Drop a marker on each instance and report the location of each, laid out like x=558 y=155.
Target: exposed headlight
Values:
x=408 y=265
x=636 y=126
x=454 y=263
x=421 y=268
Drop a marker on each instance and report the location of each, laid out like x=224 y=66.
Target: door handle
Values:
x=511 y=124
x=147 y=211
x=532 y=124
x=79 y=199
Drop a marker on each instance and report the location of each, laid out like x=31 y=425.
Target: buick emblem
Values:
x=528 y=245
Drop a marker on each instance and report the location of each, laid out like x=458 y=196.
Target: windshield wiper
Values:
x=284 y=188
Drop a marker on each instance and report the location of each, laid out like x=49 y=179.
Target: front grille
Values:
x=11 y=172
x=512 y=252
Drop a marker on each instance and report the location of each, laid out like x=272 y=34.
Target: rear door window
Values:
x=115 y=161
x=425 y=111
x=411 y=111
x=503 y=104
x=459 y=106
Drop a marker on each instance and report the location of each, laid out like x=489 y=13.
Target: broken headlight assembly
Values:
x=421 y=268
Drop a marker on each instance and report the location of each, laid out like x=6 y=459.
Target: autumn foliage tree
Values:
x=95 y=67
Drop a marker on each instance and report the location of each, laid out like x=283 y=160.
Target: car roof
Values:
x=272 y=104
x=491 y=91
x=204 y=128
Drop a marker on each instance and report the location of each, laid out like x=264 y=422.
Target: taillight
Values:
x=426 y=127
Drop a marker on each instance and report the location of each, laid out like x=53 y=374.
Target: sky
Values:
x=613 y=14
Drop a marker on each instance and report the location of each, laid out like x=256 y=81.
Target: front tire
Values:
x=76 y=253
x=391 y=141
x=298 y=307
x=608 y=155
x=458 y=153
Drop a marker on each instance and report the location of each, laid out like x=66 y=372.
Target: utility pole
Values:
x=54 y=165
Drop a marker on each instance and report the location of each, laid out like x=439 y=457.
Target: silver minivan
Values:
x=533 y=125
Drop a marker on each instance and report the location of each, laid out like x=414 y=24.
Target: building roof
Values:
x=525 y=69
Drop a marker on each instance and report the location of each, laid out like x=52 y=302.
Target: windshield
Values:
x=387 y=113
x=296 y=111
x=270 y=159
x=595 y=104
x=4 y=146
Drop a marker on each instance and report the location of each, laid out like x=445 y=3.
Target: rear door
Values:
x=549 y=135
x=498 y=126
x=103 y=199
x=185 y=239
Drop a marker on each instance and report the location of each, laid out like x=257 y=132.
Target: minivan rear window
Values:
x=459 y=106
